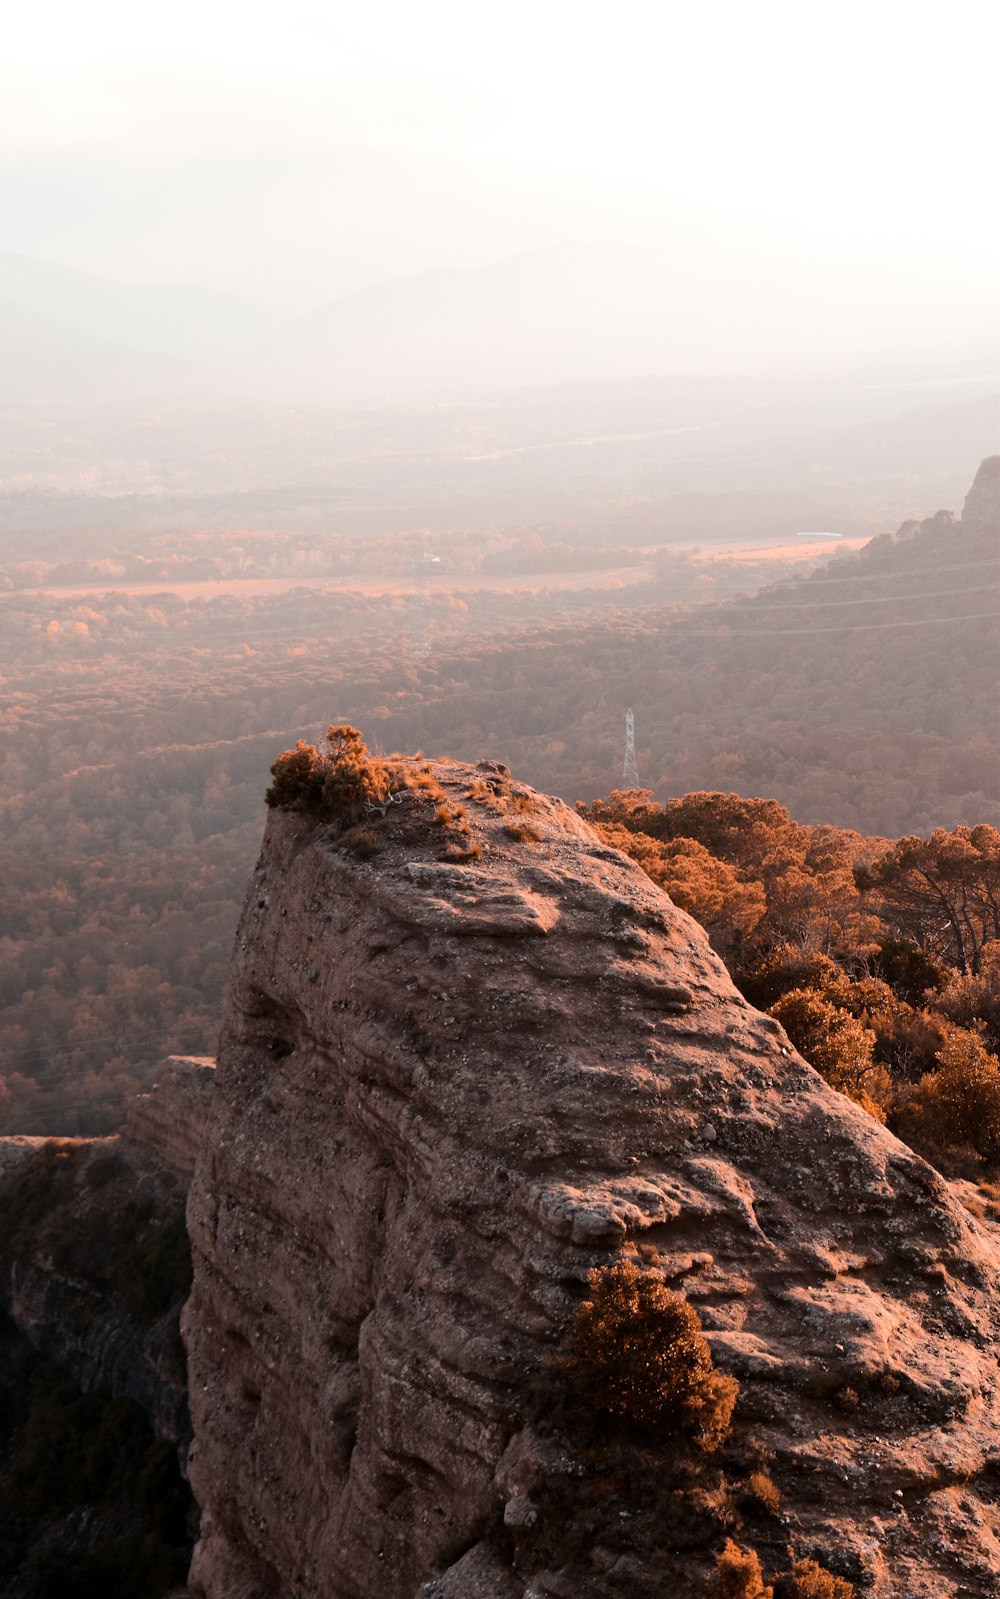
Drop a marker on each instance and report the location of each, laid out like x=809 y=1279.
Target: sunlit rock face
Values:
x=448 y=1088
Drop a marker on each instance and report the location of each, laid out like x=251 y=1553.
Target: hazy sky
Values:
x=295 y=151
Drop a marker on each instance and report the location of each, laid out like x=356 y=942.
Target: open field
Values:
x=788 y=557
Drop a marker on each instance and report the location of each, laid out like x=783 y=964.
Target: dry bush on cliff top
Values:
x=342 y=782
x=637 y=1351
x=346 y=785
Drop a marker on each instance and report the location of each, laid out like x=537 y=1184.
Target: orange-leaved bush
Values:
x=808 y=1580
x=840 y=1047
x=341 y=782
x=637 y=1351
x=961 y=1100
x=738 y=1575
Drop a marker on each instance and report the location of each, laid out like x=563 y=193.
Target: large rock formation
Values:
x=447 y=1088
x=982 y=503
x=169 y=1122
x=93 y=1250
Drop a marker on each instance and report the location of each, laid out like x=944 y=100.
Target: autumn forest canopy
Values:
x=151 y=684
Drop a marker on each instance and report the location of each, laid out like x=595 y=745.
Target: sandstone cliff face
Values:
x=446 y=1090
x=169 y=1122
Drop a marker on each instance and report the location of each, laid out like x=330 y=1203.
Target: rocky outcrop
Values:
x=449 y=1087
x=169 y=1122
x=93 y=1249
x=17 y=1147
x=982 y=503
x=101 y=1348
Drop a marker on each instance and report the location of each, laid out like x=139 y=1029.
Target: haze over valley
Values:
x=499 y=802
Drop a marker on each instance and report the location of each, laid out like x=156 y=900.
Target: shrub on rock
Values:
x=808 y=1580
x=342 y=782
x=638 y=1352
x=738 y=1575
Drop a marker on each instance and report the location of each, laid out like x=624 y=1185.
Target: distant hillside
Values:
x=68 y=334
x=589 y=310
x=573 y=312
x=864 y=696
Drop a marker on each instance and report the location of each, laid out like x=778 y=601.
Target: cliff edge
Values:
x=447 y=1087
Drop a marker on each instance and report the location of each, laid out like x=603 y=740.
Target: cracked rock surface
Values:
x=445 y=1090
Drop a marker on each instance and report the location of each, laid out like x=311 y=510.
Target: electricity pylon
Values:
x=630 y=773
x=420 y=642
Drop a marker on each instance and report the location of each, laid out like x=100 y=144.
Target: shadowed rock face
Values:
x=169 y=1121
x=445 y=1090
x=66 y=1287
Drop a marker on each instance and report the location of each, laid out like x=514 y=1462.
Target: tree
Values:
x=942 y=892
x=710 y=890
x=840 y=1047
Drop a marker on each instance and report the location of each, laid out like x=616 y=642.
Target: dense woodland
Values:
x=880 y=958
x=138 y=732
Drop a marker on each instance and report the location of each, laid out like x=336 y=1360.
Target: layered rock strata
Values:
x=169 y=1122
x=446 y=1089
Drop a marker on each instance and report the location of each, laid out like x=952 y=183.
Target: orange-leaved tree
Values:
x=638 y=1352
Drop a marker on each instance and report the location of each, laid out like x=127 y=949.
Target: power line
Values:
x=797 y=580
x=94 y=1046
x=758 y=604
x=853 y=627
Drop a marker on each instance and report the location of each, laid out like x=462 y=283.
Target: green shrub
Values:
x=637 y=1351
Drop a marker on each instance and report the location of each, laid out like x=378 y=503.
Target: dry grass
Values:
x=759 y=1489
x=422 y=782
x=523 y=801
x=523 y=833
x=458 y=852
x=450 y=816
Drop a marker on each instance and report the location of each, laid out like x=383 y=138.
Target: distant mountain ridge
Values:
x=584 y=310
x=566 y=313
x=66 y=332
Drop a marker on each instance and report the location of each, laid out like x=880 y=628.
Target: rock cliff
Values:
x=93 y=1251
x=169 y=1122
x=449 y=1087
x=982 y=503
